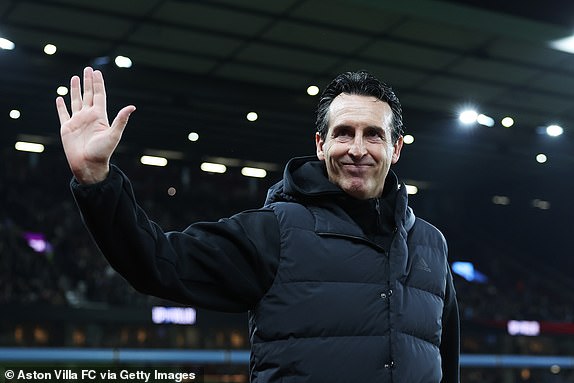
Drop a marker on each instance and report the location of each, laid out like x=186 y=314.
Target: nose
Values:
x=357 y=149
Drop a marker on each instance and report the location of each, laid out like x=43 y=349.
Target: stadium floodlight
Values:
x=123 y=62
x=554 y=130
x=507 y=122
x=50 y=49
x=485 y=120
x=253 y=172
x=32 y=147
x=6 y=44
x=412 y=189
x=565 y=44
x=468 y=116
x=211 y=167
x=153 y=161
x=541 y=158
x=252 y=116
x=313 y=90
x=62 y=90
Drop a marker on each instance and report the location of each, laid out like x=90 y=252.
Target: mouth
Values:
x=356 y=169
x=355 y=165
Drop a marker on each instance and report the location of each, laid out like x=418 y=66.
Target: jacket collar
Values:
x=305 y=181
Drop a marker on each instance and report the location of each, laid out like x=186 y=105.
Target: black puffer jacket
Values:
x=338 y=290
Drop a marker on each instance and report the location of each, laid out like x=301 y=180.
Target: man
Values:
x=341 y=281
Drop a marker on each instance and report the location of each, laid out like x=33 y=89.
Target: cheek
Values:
x=387 y=153
x=335 y=150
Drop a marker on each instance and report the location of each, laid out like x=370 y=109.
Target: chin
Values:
x=357 y=192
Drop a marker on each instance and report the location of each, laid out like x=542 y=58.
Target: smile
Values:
x=352 y=165
x=356 y=169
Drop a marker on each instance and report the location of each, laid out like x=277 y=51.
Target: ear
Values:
x=397 y=150
x=319 y=145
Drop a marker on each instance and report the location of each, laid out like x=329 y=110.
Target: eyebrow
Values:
x=376 y=127
x=347 y=126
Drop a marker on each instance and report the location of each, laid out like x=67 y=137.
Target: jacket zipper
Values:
x=378 y=209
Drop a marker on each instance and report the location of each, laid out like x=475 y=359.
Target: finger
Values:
x=62 y=110
x=121 y=120
x=75 y=95
x=88 y=99
x=99 y=90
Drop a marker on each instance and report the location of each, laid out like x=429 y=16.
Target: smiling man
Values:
x=341 y=281
x=358 y=148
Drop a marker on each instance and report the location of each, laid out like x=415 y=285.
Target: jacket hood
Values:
x=303 y=178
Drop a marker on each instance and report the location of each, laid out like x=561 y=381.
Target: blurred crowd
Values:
x=70 y=272
x=36 y=201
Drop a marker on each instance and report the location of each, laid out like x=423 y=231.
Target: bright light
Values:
x=408 y=139
x=123 y=62
x=412 y=189
x=29 y=147
x=507 y=122
x=37 y=241
x=15 y=114
x=62 y=90
x=485 y=120
x=468 y=117
x=525 y=374
x=171 y=191
x=468 y=272
x=565 y=45
x=541 y=204
x=193 y=136
x=153 y=160
x=501 y=200
x=253 y=172
x=101 y=61
x=522 y=327
x=252 y=116
x=50 y=49
x=210 y=167
x=313 y=90
x=541 y=158
x=554 y=130
x=6 y=44
x=177 y=315
x=555 y=369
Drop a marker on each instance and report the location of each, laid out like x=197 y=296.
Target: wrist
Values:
x=91 y=175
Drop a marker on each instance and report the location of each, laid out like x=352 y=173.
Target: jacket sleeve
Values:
x=450 y=342
x=226 y=265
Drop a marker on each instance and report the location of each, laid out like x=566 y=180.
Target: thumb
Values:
x=121 y=120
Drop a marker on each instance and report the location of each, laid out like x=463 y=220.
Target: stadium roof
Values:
x=201 y=66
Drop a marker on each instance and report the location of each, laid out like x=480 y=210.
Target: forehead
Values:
x=357 y=109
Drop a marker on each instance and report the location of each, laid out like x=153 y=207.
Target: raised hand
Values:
x=88 y=139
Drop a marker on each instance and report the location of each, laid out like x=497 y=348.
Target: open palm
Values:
x=88 y=139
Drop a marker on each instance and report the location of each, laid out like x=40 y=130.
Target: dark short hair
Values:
x=364 y=84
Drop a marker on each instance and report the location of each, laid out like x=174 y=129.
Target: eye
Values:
x=375 y=134
x=343 y=134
